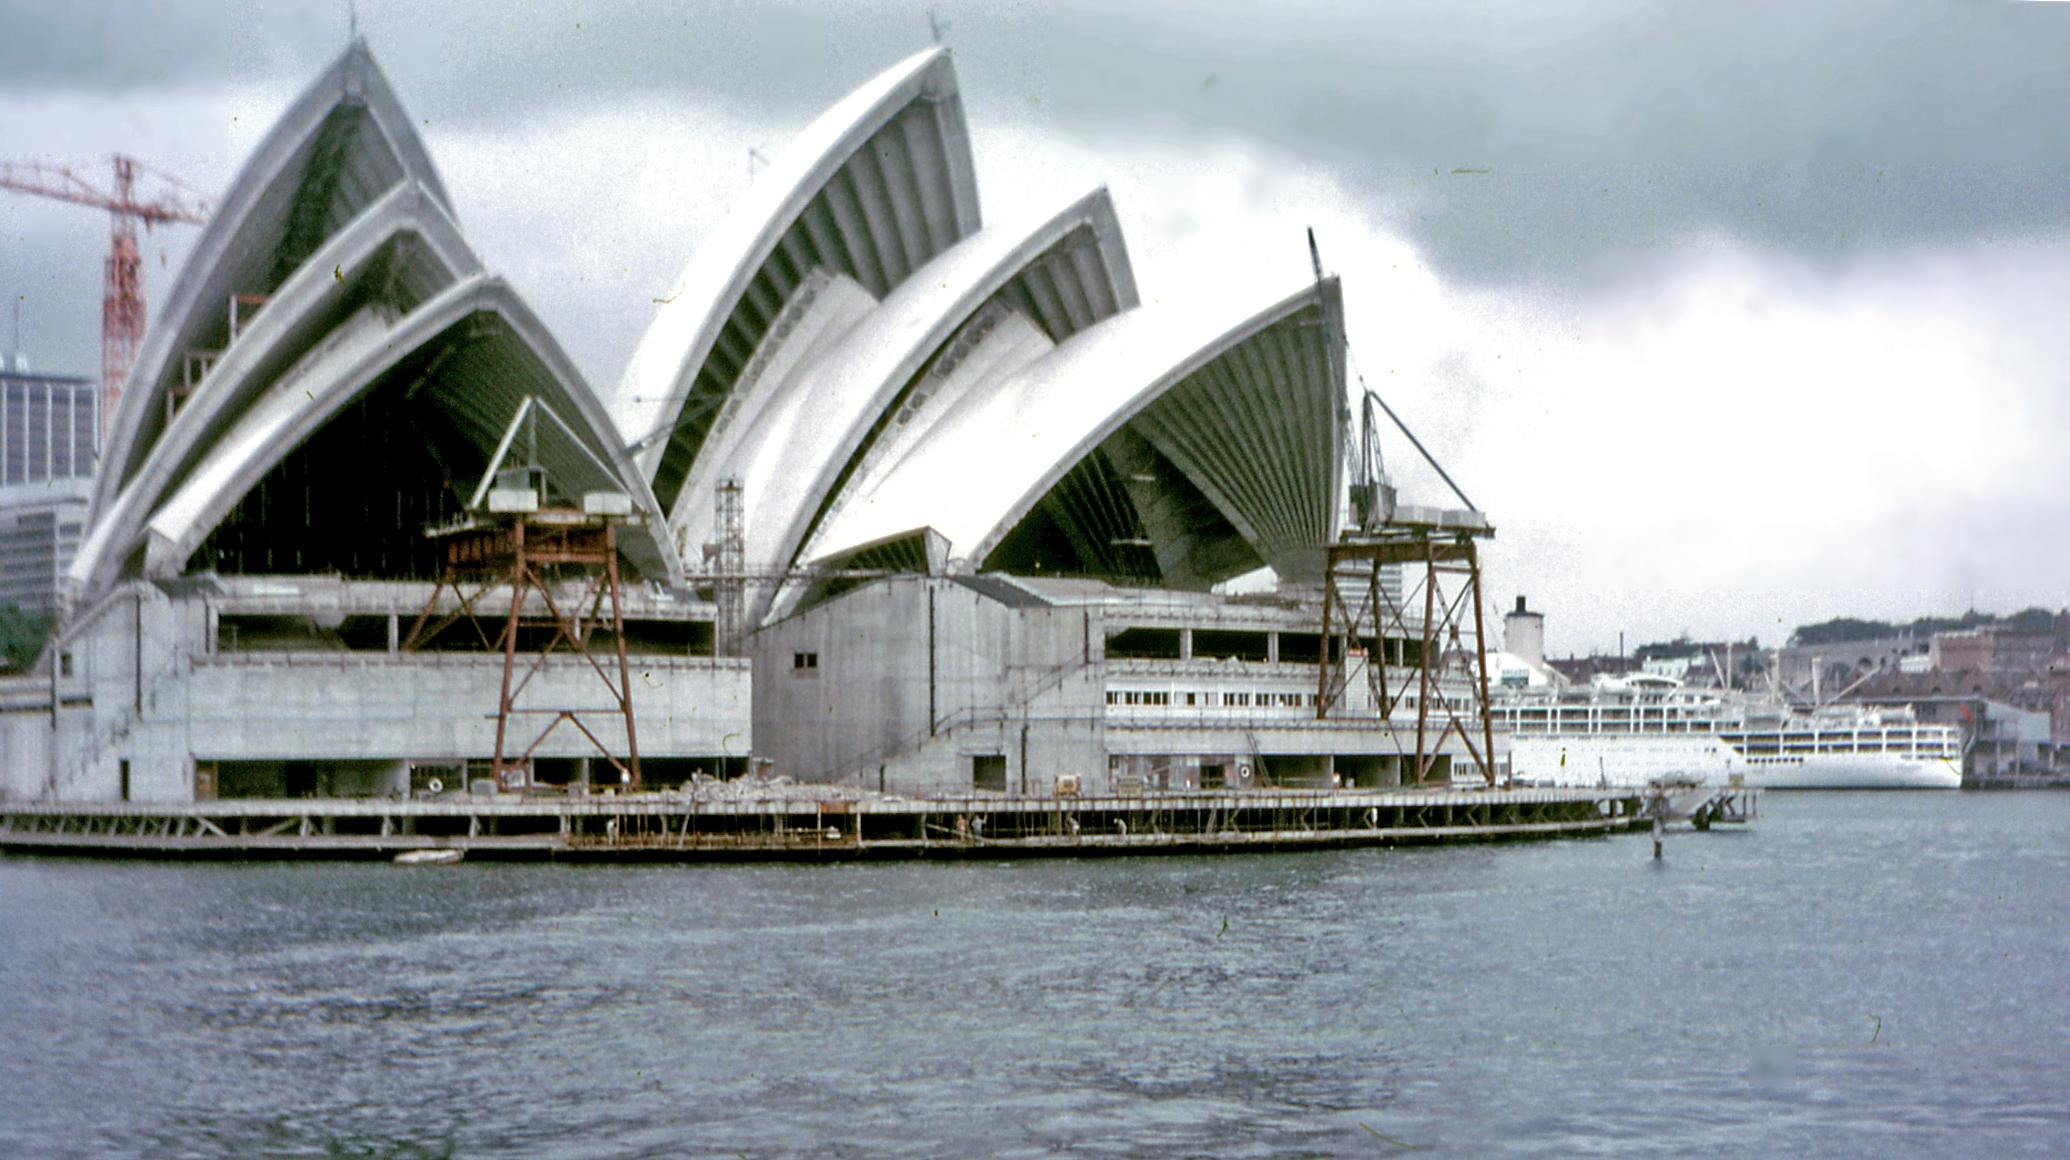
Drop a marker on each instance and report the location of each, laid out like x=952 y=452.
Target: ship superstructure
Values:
x=1634 y=729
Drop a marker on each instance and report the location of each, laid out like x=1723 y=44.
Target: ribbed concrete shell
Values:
x=873 y=190
x=342 y=144
x=1081 y=277
x=805 y=434
x=340 y=224
x=399 y=251
x=1243 y=401
x=493 y=352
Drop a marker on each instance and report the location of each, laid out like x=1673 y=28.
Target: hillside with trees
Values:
x=1847 y=628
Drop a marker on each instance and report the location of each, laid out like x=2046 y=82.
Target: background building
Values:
x=49 y=426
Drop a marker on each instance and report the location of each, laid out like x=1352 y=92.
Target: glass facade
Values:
x=49 y=436
x=48 y=428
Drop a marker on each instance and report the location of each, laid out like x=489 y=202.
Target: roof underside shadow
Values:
x=434 y=393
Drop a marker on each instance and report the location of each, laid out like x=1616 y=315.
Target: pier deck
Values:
x=666 y=827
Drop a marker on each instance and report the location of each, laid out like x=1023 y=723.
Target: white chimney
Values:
x=1523 y=635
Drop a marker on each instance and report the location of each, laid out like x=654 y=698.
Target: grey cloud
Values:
x=1601 y=127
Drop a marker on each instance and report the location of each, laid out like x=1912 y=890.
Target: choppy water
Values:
x=1858 y=974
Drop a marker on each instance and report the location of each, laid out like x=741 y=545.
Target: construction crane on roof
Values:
x=122 y=301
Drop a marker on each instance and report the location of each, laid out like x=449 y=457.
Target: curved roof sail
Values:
x=1079 y=275
x=334 y=371
x=814 y=428
x=1162 y=425
x=874 y=189
x=343 y=143
x=399 y=251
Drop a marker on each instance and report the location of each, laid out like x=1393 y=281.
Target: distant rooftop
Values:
x=16 y=371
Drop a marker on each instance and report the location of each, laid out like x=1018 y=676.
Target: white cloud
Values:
x=1736 y=438
x=52 y=254
x=1722 y=440
x=592 y=213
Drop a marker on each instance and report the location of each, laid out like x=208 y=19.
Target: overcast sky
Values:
x=1732 y=316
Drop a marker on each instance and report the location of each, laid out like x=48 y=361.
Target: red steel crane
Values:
x=122 y=302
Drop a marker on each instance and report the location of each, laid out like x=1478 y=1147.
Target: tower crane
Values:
x=122 y=301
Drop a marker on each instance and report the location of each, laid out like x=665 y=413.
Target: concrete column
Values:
x=1272 y=647
x=1185 y=644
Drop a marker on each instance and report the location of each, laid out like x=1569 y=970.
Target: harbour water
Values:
x=1854 y=974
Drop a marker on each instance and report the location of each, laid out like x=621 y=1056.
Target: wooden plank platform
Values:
x=674 y=827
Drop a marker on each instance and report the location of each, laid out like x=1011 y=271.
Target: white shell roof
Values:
x=405 y=240
x=812 y=428
x=342 y=144
x=1080 y=278
x=874 y=189
x=1255 y=423
x=340 y=224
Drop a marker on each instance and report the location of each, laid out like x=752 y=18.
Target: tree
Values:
x=1841 y=628
x=2032 y=622
x=22 y=635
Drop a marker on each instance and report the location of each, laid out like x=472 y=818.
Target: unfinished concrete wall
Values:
x=144 y=697
x=26 y=739
x=918 y=676
x=1058 y=734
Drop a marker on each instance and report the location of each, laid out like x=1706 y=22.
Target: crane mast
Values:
x=123 y=316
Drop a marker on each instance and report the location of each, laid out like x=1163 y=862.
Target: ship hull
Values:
x=1627 y=760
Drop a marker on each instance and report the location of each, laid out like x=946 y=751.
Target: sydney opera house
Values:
x=901 y=498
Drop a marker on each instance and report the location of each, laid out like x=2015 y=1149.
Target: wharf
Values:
x=684 y=828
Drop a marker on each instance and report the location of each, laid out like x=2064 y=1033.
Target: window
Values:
x=1113 y=698
x=988 y=771
x=805 y=664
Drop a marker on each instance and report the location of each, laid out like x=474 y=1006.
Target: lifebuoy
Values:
x=435 y=785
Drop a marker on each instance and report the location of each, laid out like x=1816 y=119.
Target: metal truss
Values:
x=1440 y=571
x=528 y=555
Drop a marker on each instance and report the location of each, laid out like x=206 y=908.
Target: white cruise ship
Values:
x=1627 y=731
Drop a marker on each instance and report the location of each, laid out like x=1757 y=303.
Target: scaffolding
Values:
x=729 y=591
x=529 y=554
x=1440 y=569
